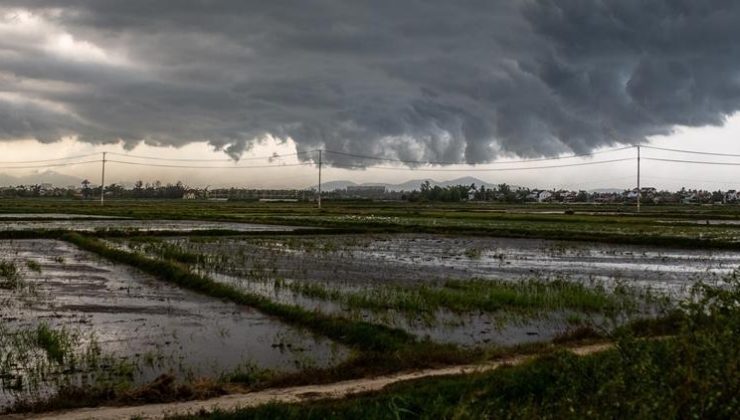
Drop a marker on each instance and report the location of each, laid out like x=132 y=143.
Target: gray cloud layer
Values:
x=422 y=80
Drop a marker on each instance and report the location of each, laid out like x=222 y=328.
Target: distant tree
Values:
x=86 y=190
x=138 y=190
x=504 y=189
x=505 y=194
x=718 y=196
x=115 y=190
x=481 y=193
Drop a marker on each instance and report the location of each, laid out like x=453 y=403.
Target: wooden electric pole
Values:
x=639 y=191
x=102 y=182
x=319 y=198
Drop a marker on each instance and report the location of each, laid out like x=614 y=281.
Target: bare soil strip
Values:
x=336 y=390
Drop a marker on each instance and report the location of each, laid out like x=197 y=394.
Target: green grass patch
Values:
x=529 y=296
x=56 y=343
x=33 y=266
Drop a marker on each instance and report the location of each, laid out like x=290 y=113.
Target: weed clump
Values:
x=43 y=360
x=10 y=276
x=33 y=266
x=56 y=343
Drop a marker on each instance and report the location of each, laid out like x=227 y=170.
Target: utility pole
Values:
x=639 y=191
x=102 y=182
x=319 y=199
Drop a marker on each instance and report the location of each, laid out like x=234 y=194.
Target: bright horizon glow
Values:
x=662 y=175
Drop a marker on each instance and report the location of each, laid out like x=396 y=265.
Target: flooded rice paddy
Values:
x=67 y=315
x=391 y=279
x=131 y=322
x=419 y=259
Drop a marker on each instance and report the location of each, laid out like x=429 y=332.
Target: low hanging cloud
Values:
x=436 y=80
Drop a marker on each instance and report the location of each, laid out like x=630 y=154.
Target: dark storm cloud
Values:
x=420 y=80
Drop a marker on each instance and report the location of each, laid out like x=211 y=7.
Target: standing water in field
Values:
x=60 y=303
x=451 y=289
x=101 y=224
x=418 y=259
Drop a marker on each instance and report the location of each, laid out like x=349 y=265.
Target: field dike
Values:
x=338 y=390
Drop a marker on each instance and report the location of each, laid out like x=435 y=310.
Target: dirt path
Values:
x=287 y=395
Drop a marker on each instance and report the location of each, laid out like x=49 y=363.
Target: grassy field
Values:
x=660 y=225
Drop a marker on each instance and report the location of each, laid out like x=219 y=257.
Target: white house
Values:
x=544 y=196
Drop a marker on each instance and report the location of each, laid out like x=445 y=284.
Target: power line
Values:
x=701 y=162
x=49 y=166
x=482 y=169
x=206 y=160
x=19 y=162
x=695 y=180
x=276 y=156
x=696 y=152
x=419 y=162
x=207 y=167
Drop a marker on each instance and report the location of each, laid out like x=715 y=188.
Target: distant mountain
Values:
x=49 y=177
x=336 y=185
x=411 y=185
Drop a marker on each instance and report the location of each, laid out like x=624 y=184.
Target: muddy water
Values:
x=361 y=262
x=666 y=270
x=141 y=225
x=422 y=258
x=138 y=317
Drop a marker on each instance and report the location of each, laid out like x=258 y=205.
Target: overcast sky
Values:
x=435 y=80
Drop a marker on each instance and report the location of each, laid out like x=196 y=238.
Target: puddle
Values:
x=137 y=317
